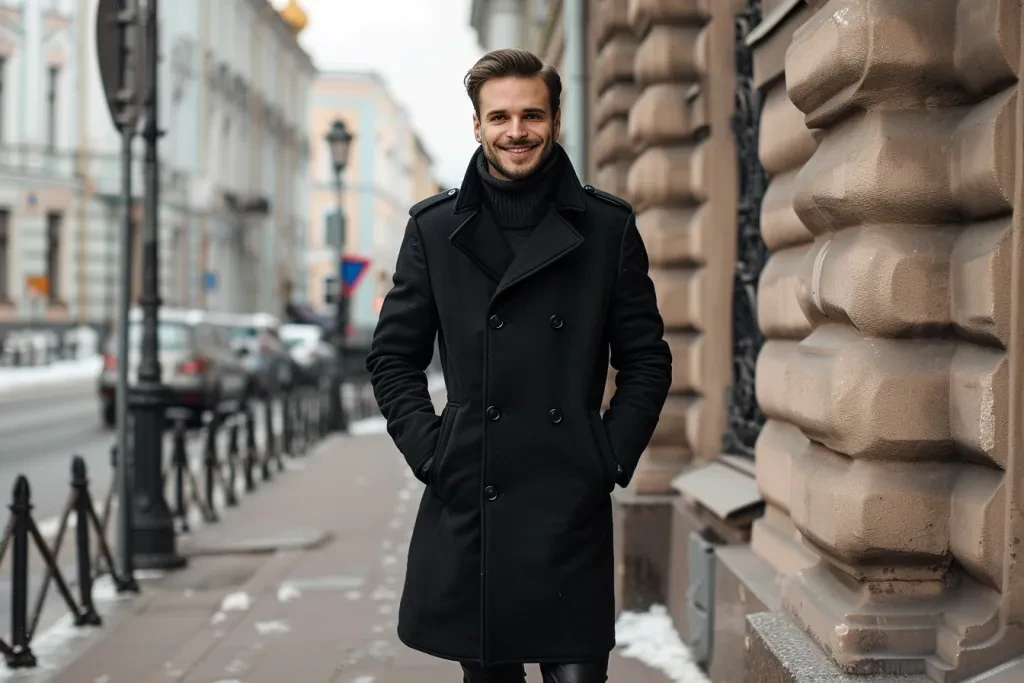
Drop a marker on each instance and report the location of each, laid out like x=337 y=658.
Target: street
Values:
x=41 y=429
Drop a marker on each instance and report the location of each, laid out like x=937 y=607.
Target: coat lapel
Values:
x=479 y=237
x=552 y=239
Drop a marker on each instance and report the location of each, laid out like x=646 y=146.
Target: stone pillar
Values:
x=894 y=394
x=682 y=184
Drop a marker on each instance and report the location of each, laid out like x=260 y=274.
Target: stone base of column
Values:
x=744 y=584
x=779 y=652
x=641 y=528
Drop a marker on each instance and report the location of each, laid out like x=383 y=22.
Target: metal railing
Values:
x=292 y=423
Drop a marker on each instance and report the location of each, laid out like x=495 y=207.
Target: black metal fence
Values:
x=237 y=451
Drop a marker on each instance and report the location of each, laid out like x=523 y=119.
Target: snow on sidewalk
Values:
x=12 y=379
x=651 y=638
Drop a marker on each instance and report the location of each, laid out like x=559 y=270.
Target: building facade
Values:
x=39 y=181
x=387 y=171
x=830 y=194
x=233 y=92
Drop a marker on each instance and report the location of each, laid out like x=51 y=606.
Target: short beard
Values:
x=490 y=153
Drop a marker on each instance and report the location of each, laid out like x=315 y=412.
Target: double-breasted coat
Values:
x=511 y=554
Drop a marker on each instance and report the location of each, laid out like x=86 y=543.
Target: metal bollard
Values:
x=251 y=453
x=179 y=459
x=83 y=512
x=211 y=464
x=20 y=656
x=230 y=496
x=286 y=424
x=268 y=430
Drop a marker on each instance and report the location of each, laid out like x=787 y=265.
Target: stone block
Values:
x=641 y=525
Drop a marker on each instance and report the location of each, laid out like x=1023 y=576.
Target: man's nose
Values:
x=517 y=130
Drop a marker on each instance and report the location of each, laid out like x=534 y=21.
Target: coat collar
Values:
x=480 y=238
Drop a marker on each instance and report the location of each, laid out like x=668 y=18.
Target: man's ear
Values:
x=556 y=126
x=476 y=127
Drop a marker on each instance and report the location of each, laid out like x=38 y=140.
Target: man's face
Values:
x=515 y=125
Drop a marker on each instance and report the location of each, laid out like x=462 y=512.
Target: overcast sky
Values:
x=422 y=48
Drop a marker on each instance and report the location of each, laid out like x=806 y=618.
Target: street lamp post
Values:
x=153 y=538
x=339 y=141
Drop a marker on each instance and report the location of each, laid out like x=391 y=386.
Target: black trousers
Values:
x=577 y=672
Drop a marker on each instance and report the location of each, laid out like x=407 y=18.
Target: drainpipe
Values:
x=574 y=76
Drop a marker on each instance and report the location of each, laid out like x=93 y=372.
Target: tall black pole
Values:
x=153 y=540
x=335 y=403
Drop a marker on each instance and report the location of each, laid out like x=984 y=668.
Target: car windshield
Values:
x=170 y=336
x=291 y=335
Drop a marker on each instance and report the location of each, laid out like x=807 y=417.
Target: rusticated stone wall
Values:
x=785 y=145
x=889 y=396
x=616 y=92
x=683 y=187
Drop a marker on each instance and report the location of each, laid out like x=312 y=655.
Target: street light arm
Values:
x=401 y=351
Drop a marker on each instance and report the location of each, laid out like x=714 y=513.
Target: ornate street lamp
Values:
x=339 y=142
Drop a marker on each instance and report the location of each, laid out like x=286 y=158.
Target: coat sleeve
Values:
x=401 y=350
x=639 y=354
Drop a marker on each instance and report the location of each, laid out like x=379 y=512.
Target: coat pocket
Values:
x=604 y=448
x=443 y=437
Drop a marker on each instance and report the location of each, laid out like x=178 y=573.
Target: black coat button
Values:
x=555 y=415
x=556 y=321
x=493 y=413
x=491 y=493
x=496 y=322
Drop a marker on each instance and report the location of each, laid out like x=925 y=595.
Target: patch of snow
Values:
x=239 y=601
x=369 y=425
x=435 y=383
x=217 y=618
x=265 y=628
x=102 y=679
x=286 y=592
x=383 y=593
x=404 y=494
x=354 y=595
x=12 y=379
x=49 y=645
x=389 y=560
x=363 y=679
x=651 y=638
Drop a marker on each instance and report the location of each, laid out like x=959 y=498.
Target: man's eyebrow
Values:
x=528 y=110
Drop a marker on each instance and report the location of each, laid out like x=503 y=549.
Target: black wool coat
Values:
x=511 y=554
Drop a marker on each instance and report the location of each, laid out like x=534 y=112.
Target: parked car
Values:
x=255 y=340
x=198 y=368
x=309 y=350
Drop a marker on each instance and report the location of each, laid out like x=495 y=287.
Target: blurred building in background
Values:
x=829 y=227
x=234 y=89
x=388 y=170
x=40 y=184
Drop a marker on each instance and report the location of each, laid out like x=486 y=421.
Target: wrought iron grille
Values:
x=744 y=416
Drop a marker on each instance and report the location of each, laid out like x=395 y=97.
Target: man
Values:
x=526 y=280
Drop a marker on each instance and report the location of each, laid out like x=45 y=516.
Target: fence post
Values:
x=250 y=449
x=230 y=495
x=268 y=430
x=180 y=460
x=80 y=484
x=210 y=464
x=286 y=423
x=21 y=656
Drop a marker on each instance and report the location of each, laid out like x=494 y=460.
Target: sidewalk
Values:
x=299 y=585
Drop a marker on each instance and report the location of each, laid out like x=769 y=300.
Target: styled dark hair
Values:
x=512 y=62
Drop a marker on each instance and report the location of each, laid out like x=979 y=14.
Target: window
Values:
x=51 y=107
x=5 y=253
x=54 y=220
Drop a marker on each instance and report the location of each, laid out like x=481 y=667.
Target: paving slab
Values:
x=319 y=607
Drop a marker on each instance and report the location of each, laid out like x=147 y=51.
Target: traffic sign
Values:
x=120 y=52
x=353 y=268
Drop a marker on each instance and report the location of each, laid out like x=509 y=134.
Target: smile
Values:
x=519 y=151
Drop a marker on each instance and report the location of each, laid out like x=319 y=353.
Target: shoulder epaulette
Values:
x=424 y=204
x=608 y=197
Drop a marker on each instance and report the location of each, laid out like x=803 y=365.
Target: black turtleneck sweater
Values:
x=518 y=205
